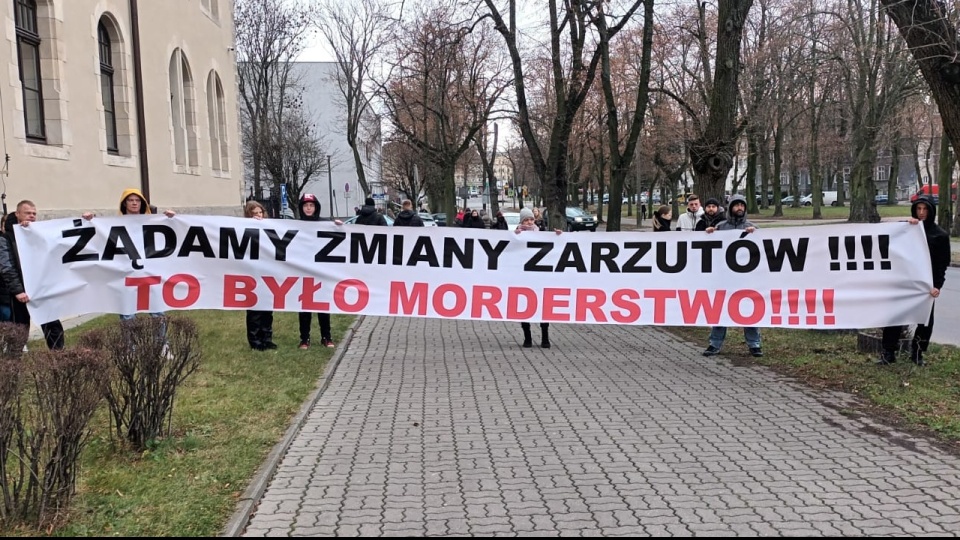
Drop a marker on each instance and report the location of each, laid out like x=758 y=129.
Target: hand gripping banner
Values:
x=829 y=276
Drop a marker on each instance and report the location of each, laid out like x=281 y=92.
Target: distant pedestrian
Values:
x=538 y=219
x=737 y=220
x=662 y=219
x=369 y=215
x=501 y=223
x=938 y=241
x=407 y=217
x=473 y=220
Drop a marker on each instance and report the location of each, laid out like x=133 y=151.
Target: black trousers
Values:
x=526 y=326
x=259 y=328
x=52 y=331
x=322 y=318
x=891 y=335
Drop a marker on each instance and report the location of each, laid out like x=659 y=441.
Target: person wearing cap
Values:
x=528 y=223
x=688 y=221
x=922 y=211
x=309 y=207
x=369 y=215
x=736 y=220
x=712 y=215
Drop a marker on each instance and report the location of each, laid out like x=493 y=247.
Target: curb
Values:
x=258 y=484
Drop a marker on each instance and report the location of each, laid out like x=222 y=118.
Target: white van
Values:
x=830 y=198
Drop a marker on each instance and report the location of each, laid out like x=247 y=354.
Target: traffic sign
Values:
x=346 y=187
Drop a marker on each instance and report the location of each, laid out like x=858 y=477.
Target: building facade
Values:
x=103 y=95
x=339 y=191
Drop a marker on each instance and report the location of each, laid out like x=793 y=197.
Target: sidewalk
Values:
x=432 y=427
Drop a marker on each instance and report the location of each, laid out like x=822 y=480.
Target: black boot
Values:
x=545 y=336
x=886 y=358
x=916 y=353
x=527 y=338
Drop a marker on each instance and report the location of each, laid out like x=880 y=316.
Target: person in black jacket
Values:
x=923 y=211
x=310 y=211
x=12 y=275
x=473 y=220
x=662 y=218
x=712 y=215
x=368 y=214
x=407 y=217
x=501 y=223
x=259 y=323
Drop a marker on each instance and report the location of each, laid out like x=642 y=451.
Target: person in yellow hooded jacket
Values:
x=133 y=202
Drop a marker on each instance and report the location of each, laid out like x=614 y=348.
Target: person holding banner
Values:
x=688 y=221
x=528 y=223
x=938 y=241
x=12 y=275
x=259 y=323
x=310 y=211
x=712 y=215
x=737 y=220
x=662 y=219
x=132 y=202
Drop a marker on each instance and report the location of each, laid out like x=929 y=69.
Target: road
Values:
x=947 y=318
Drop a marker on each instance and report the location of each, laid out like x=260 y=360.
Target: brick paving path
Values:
x=437 y=427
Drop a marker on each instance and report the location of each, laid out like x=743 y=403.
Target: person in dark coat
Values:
x=938 y=241
x=12 y=275
x=407 y=217
x=662 y=219
x=310 y=211
x=712 y=215
x=368 y=214
x=259 y=323
x=501 y=223
x=473 y=220
x=736 y=220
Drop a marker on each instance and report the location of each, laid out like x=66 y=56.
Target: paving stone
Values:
x=600 y=435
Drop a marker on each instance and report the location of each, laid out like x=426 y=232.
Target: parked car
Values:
x=579 y=219
x=440 y=218
x=806 y=200
x=606 y=199
x=427 y=219
x=883 y=199
x=513 y=219
x=353 y=220
x=787 y=200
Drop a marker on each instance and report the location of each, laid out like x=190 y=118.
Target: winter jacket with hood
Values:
x=408 y=218
x=368 y=215
x=305 y=198
x=145 y=207
x=10 y=271
x=733 y=222
x=937 y=239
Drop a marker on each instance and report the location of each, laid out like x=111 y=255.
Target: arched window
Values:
x=28 y=54
x=106 y=88
x=212 y=7
x=183 y=111
x=217 y=117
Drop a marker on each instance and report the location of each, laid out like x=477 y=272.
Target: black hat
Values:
x=369 y=202
x=712 y=201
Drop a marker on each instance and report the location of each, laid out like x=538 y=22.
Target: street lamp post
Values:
x=330 y=179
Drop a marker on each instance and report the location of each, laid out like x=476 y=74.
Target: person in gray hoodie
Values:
x=736 y=220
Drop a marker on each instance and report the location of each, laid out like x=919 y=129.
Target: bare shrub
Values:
x=150 y=357
x=58 y=395
x=12 y=339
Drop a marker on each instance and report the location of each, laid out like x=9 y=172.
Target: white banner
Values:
x=831 y=276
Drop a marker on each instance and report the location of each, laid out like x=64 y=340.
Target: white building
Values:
x=103 y=95
x=324 y=102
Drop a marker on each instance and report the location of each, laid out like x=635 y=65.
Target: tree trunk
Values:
x=753 y=154
x=777 y=171
x=863 y=192
x=894 y=178
x=944 y=179
x=932 y=38
x=764 y=171
x=712 y=154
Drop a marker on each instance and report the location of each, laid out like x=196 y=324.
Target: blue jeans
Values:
x=6 y=312
x=750 y=334
x=163 y=327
